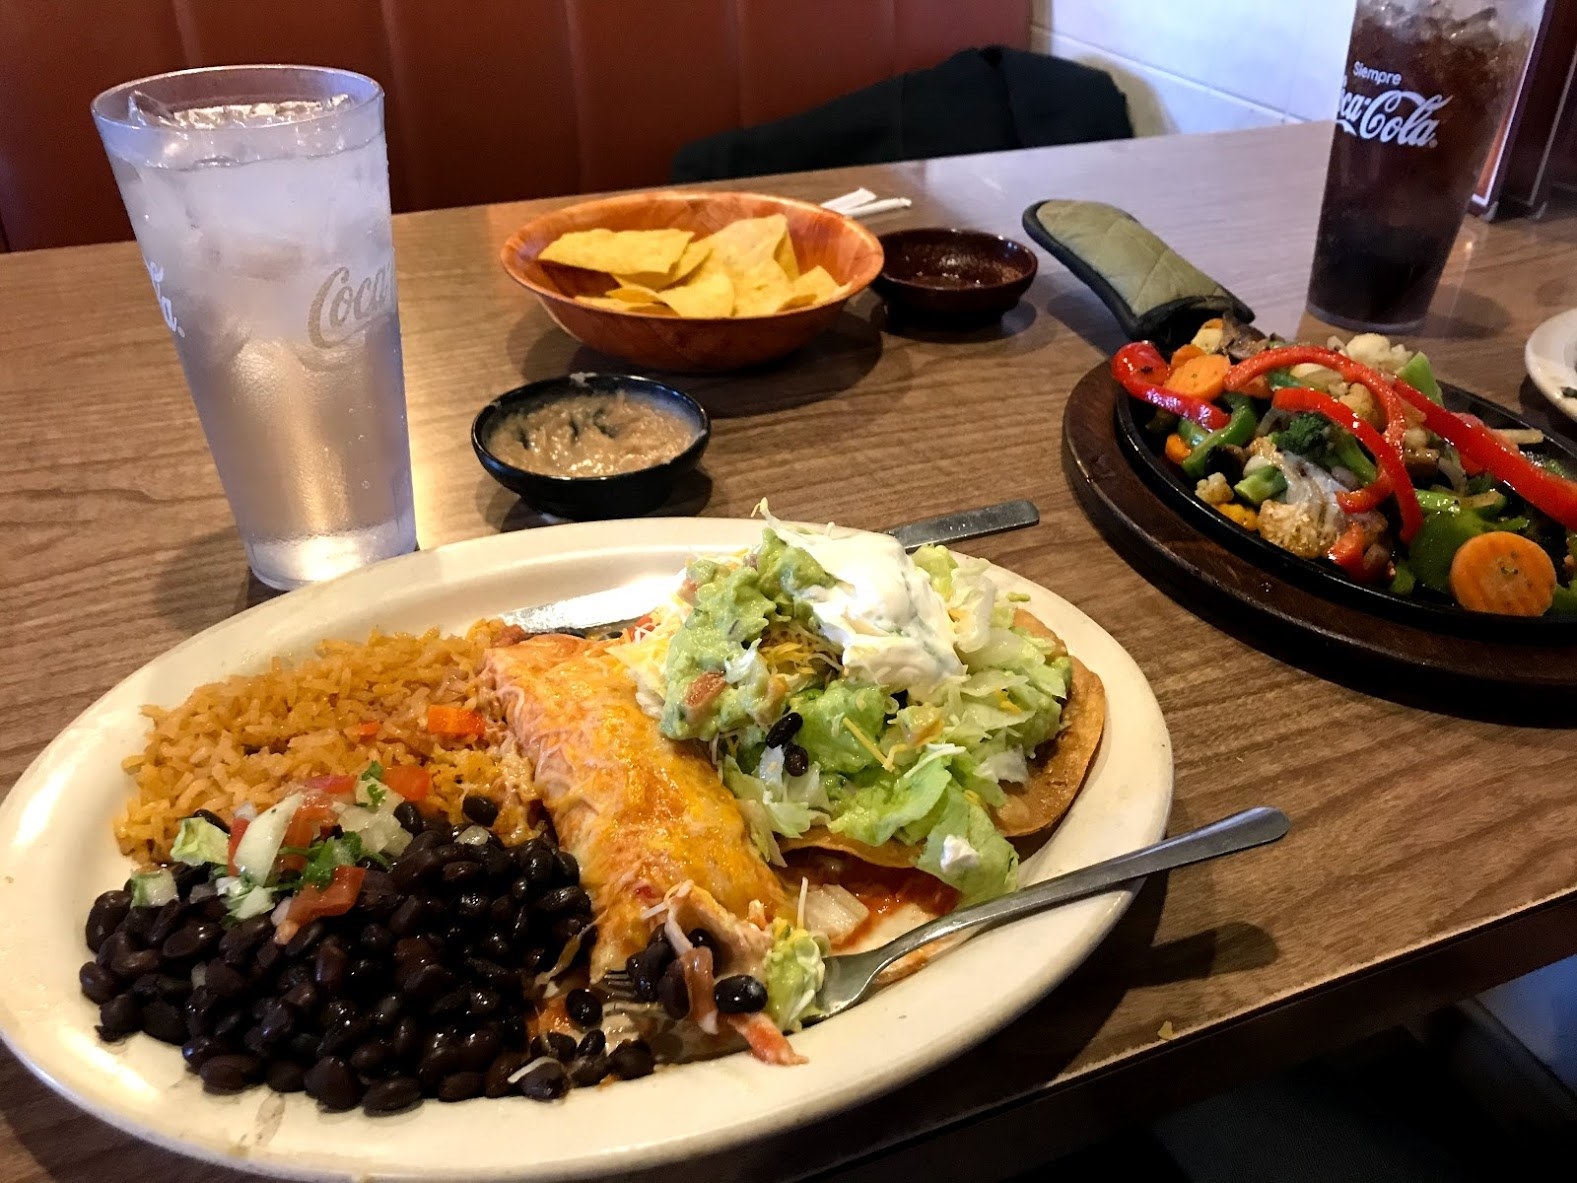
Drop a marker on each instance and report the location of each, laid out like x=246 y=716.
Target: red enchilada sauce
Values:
x=883 y=890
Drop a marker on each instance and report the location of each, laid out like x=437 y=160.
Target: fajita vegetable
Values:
x=1356 y=461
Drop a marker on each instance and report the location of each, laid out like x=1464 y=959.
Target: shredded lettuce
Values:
x=824 y=734
x=793 y=970
x=992 y=867
x=199 y=842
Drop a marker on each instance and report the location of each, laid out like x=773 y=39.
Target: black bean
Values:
x=501 y=912
x=456 y=852
x=554 y=1043
x=462 y=874
x=221 y=981
x=371 y=1057
x=366 y=977
x=482 y=810
x=200 y=1006
x=406 y=1042
x=583 y=1007
x=437 y=1063
x=472 y=905
x=499 y=866
x=329 y=966
x=784 y=730
x=97 y=982
x=536 y=863
x=130 y=964
x=246 y=936
x=495 y=1081
x=430 y=981
x=588 y=1071
x=460 y=1086
x=564 y=900
x=199 y=1049
x=295 y=974
x=306 y=939
x=268 y=957
x=332 y=1084
x=375 y=938
x=673 y=991
x=285 y=1076
x=519 y=927
x=304 y=997
x=437 y=824
x=193 y=939
x=213 y=909
x=166 y=920
x=174 y=988
x=116 y=944
x=393 y=1095
x=536 y=959
x=380 y=903
x=593 y=1043
x=165 y=1022
x=545 y=1082
x=483 y=1003
x=796 y=760
x=231 y=1026
x=213 y=819
x=407 y=918
x=480 y=1047
x=230 y=1073
x=740 y=994
x=301 y=1048
x=119 y=1017
x=567 y=927
x=496 y=946
x=565 y=869
x=409 y=817
x=187 y=878
x=418 y=870
x=386 y=1011
x=699 y=936
x=450 y=1004
x=631 y=1059
x=278 y=1023
x=252 y=1040
x=138 y=923
x=339 y=1039
x=145 y=988
x=105 y=917
x=341 y=1010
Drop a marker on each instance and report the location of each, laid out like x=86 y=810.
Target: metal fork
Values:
x=850 y=978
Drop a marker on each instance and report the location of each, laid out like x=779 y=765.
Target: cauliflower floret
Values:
x=1306 y=528
x=1375 y=351
x=1208 y=337
x=1214 y=490
x=1263 y=448
x=1315 y=377
x=1364 y=405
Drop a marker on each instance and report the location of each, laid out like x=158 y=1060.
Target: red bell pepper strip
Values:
x=1350 y=552
x=1367 y=498
x=1539 y=487
x=1301 y=398
x=1141 y=370
x=1379 y=385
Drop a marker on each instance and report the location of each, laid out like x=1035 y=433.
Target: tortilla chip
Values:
x=619 y=252
x=694 y=255
x=815 y=286
x=761 y=290
x=634 y=293
x=614 y=304
x=893 y=854
x=748 y=242
x=707 y=294
x=784 y=255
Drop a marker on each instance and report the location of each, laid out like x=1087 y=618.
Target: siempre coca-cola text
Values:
x=1375 y=117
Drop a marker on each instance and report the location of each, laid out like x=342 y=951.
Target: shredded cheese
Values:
x=868 y=744
x=804 y=890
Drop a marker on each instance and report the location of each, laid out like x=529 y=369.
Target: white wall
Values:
x=1207 y=65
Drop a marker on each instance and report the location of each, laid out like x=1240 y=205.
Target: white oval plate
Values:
x=1551 y=358
x=57 y=854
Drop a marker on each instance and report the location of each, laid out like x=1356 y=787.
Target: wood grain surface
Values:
x=1431 y=852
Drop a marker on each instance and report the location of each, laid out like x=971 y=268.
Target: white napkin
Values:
x=862 y=203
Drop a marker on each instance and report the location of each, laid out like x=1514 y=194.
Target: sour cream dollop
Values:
x=893 y=627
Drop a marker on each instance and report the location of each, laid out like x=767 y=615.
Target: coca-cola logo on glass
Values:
x=1394 y=116
x=345 y=306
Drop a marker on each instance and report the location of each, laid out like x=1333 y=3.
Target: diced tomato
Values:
x=237 y=828
x=455 y=722
x=334 y=900
x=704 y=691
x=408 y=780
x=337 y=786
x=364 y=731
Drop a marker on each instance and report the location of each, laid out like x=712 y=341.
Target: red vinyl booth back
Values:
x=489 y=100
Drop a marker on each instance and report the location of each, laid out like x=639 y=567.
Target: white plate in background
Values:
x=1551 y=358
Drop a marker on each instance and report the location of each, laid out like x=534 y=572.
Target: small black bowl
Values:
x=622 y=495
x=965 y=276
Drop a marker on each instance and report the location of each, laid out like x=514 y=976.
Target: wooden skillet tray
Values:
x=1284 y=609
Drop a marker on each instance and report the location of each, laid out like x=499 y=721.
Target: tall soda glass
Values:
x=1427 y=85
x=260 y=199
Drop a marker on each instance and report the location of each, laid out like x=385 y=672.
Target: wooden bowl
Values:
x=848 y=251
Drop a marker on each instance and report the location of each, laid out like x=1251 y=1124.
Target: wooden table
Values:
x=1431 y=854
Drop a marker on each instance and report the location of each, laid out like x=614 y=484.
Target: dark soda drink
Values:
x=1427 y=84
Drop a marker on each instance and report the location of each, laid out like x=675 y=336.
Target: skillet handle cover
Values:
x=1153 y=291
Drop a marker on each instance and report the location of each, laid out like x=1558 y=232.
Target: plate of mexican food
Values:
x=369 y=882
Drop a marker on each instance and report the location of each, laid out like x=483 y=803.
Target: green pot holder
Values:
x=1154 y=292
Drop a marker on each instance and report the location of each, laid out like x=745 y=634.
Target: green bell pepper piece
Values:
x=1238 y=431
x=1565 y=601
x=1404 y=581
x=1420 y=375
x=1436 y=544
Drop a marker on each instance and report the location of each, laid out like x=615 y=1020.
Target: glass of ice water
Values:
x=260 y=199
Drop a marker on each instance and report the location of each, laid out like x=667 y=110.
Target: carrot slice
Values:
x=1503 y=573
x=455 y=722
x=1186 y=353
x=1199 y=377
